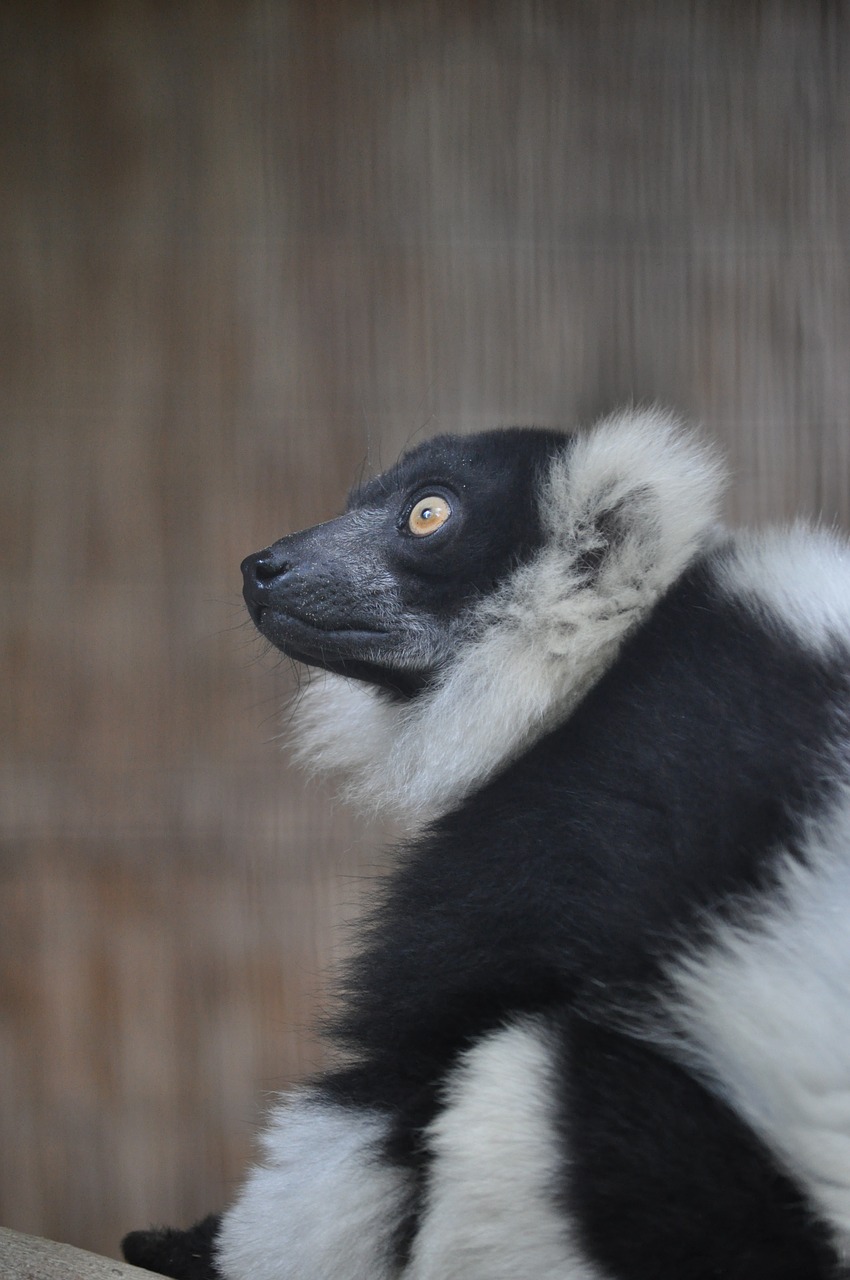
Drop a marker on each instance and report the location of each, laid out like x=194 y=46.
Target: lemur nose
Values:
x=260 y=573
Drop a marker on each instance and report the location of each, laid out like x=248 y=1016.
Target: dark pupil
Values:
x=425 y=513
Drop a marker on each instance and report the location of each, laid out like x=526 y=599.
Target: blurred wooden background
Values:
x=247 y=246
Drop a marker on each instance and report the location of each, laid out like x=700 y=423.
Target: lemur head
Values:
x=384 y=592
x=468 y=597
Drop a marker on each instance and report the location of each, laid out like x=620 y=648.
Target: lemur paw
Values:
x=168 y=1251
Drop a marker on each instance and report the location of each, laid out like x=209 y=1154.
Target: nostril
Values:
x=265 y=570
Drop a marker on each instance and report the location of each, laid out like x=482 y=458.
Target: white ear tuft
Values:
x=634 y=496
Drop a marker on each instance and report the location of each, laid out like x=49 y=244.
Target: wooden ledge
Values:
x=31 y=1258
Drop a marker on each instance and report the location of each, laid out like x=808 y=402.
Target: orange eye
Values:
x=427 y=516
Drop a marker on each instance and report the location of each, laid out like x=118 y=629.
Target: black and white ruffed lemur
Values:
x=598 y=1027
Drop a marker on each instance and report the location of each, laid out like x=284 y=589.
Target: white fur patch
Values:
x=638 y=496
x=492 y=1208
x=797 y=578
x=322 y=1206
x=764 y=1012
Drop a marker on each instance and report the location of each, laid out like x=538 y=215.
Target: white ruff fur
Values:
x=322 y=1206
x=798 y=578
x=763 y=1013
x=492 y=1210
x=539 y=643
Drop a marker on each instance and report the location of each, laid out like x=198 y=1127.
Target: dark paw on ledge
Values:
x=183 y=1255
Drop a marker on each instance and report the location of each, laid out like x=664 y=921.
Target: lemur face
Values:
x=384 y=592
